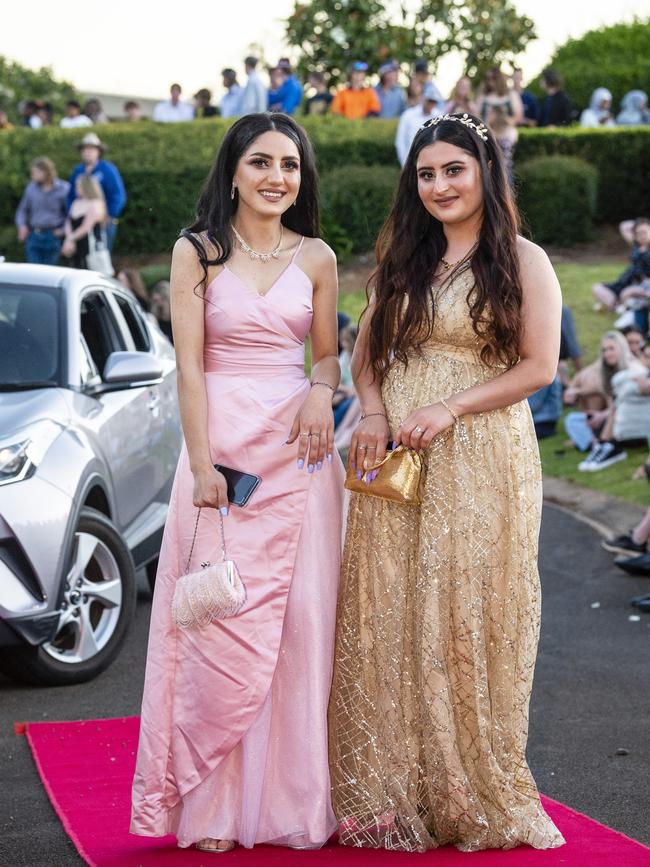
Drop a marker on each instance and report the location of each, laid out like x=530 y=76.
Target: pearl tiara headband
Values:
x=479 y=128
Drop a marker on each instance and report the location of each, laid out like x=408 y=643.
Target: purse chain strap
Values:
x=223 y=541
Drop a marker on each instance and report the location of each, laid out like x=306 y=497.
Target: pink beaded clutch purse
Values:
x=214 y=592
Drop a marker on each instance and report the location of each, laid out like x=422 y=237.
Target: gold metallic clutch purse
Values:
x=398 y=478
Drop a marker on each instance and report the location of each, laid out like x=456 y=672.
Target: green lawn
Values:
x=557 y=458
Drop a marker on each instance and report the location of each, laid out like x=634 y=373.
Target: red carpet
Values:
x=87 y=767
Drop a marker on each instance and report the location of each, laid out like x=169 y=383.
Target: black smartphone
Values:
x=240 y=485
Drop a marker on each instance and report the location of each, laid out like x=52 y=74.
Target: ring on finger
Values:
x=315 y=435
x=304 y=434
x=418 y=430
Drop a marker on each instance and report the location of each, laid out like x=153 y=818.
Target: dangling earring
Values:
x=232 y=191
x=293 y=205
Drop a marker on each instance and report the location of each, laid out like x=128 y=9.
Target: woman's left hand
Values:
x=314 y=429
x=419 y=429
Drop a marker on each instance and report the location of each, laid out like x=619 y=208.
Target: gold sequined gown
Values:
x=438 y=624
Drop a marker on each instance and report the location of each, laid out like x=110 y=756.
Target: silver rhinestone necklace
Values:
x=263 y=257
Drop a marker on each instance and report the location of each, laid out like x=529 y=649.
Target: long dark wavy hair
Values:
x=215 y=208
x=412 y=242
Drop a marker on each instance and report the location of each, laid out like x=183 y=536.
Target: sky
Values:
x=138 y=48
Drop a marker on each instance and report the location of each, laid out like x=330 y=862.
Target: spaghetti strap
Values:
x=295 y=255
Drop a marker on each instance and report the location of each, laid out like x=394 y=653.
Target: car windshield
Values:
x=30 y=338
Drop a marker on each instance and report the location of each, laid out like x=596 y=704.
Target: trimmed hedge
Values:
x=621 y=157
x=557 y=199
x=164 y=165
x=357 y=199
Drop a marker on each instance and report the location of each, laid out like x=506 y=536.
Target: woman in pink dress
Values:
x=233 y=740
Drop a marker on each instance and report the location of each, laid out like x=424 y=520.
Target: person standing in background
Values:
x=321 y=101
x=254 y=98
x=421 y=72
x=599 y=114
x=203 y=103
x=132 y=111
x=357 y=100
x=93 y=109
x=85 y=226
x=92 y=163
x=462 y=98
x=41 y=213
x=391 y=96
x=414 y=92
x=528 y=100
x=286 y=93
x=230 y=105
x=410 y=122
x=73 y=116
x=173 y=110
x=29 y=114
x=45 y=112
x=295 y=86
x=496 y=93
x=556 y=108
x=634 y=109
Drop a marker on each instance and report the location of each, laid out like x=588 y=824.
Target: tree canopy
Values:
x=328 y=35
x=615 y=57
x=17 y=83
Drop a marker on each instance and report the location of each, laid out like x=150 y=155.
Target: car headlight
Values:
x=23 y=451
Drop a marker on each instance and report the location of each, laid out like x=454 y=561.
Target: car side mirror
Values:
x=131 y=369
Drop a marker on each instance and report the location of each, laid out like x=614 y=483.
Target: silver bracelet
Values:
x=370 y=415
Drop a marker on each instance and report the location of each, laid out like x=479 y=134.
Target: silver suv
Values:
x=89 y=439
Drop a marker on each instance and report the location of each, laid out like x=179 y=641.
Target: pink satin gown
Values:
x=233 y=741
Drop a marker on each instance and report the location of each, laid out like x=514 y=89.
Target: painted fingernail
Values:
x=330 y=458
x=319 y=465
x=310 y=468
x=353 y=465
x=374 y=474
x=224 y=511
x=301 y=464
x=394 y=446
x=359 y=474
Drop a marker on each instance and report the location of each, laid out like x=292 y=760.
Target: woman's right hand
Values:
x=68 y=248
x=369 y=442
x=211 y=490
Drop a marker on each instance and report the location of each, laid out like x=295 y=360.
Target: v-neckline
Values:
x=251 y=288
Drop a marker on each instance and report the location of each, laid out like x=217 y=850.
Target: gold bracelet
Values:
x=449 y=410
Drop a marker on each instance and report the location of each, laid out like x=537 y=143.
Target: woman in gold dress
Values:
x=440 y=604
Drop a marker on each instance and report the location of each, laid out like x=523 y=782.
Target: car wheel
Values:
x=99 y=599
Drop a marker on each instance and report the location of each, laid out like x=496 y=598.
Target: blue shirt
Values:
x=531 y=105
x=230 y=105
x=286 y=98
x=546 y=404
x=393 y=101
x=43 y=209
x=111 y=182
